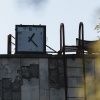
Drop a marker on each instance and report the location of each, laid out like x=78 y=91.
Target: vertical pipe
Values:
x=9 y=44
x=81 y=33
x=64 y=60
x=79 y=42
x=61 y=40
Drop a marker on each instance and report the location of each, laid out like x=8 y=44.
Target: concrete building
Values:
x=32 y=75
x=41 y=77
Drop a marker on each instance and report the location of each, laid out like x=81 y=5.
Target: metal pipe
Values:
x=9 y=44
x=13 y=37
x=12 y=43
x=52 y=49
x=62 y=34
x=61 y=39
x=81 y=32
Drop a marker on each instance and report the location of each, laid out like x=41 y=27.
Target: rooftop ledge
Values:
x=48 y=56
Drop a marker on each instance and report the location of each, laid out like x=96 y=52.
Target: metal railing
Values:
x=79 y=48
x=9 y=48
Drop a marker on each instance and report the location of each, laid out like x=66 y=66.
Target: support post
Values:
x=9 y=44
x=62 y=40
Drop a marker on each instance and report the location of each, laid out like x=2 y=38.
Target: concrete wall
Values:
x=43 y=78
x=76 y=79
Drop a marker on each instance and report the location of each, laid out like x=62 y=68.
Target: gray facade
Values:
x=42 y=78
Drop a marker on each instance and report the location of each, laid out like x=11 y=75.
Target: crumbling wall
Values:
x=56 y=79
x=43 y=78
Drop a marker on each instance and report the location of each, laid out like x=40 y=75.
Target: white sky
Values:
x=51 y=14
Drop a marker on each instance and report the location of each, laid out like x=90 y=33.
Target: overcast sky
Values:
x=50 y=13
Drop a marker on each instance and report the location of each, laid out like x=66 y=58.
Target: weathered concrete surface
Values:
x=44 y=81
x=30 y=89
x=75 y=79
x=56 y=79
x=46 y=78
